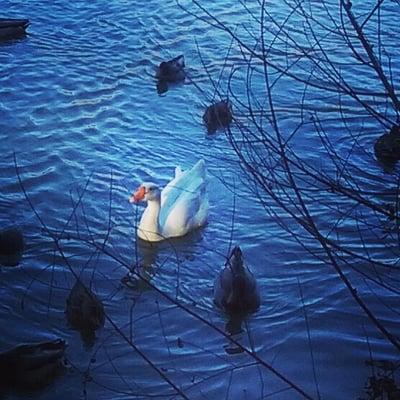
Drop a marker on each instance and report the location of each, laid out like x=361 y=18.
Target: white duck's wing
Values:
x=189 y=212
x=183 y=179
x=171 y=185
x=184 y=201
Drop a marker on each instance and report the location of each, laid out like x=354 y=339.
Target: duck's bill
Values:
x=138 y=195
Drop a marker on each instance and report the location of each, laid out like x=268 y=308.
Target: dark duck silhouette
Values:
x=217 y=115
x=171 y=71
x=11 y=246
x=12 y=28
x=235 y=288
x=31 y=366
x=84 y=312
x=387 y=147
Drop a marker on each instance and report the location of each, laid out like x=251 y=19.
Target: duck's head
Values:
x=236 y=259
x=173 y=65
x=145 y=192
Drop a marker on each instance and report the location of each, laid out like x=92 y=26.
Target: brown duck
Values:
x=217 y=115
x=12 y=28
x=84 y=311
x=235 y=288
x=387 y=147
x=31 y=366
x=11 y=246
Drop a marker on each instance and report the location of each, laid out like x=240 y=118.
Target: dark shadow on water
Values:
x=234 y=327
x=152 y=255
x=12 y=40
x=149 y=252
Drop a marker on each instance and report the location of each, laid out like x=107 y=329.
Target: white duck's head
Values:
x=147 y=191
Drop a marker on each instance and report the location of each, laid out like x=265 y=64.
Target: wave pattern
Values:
x=80 y=111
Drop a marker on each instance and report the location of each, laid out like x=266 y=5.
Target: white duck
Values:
x=177 y=209
x=235 y=288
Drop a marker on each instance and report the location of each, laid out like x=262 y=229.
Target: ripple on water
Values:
x=79 y=108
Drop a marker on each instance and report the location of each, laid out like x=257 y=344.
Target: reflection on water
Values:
x=78 y=101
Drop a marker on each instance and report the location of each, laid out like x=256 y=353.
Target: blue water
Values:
x=80 y=111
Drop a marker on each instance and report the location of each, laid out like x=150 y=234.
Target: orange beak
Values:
x=138 y=195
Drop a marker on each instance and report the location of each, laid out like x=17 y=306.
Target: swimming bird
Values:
x=235 y=288
x=32 y=366
x=171 y=71
x=12 y=28
x=11 y=246
x=387 y=147
x=179 y=208
x=84 y=311
x=217 y=115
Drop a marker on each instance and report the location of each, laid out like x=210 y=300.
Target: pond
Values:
x=82 y=125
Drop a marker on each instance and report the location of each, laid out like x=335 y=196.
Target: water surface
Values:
x=80 y=111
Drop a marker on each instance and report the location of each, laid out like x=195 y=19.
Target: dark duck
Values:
x=171 y=71
x=12 y=28
x=84 y=312
x=217 y=115
x=387 y=147
x=235 y=288
x=31 y=366
x=11 y=246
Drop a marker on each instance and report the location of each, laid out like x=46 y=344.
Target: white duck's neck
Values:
x=149 y=227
